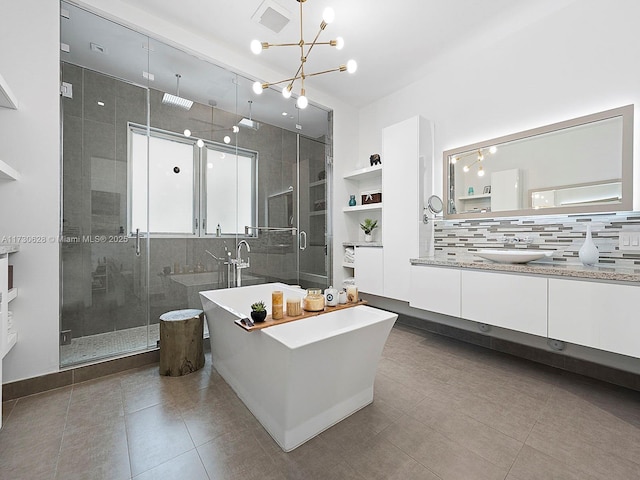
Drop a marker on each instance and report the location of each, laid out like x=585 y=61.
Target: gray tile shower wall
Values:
x=459 y=239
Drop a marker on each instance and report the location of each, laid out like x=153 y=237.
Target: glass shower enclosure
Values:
x=160 y=202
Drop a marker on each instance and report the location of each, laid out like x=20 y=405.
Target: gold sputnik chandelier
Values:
x=305 y=49
x=479 y=157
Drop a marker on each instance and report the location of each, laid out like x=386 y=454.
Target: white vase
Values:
x=588 y=252
x=368 y=237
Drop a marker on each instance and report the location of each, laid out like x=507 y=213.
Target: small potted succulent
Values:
x=367 y=227
x=258 y=311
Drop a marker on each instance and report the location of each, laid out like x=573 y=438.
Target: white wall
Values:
x=577 y=60
x=29 y=141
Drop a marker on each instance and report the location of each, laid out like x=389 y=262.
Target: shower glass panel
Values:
x=103 y=289
x=313 y=204
x=157 y=198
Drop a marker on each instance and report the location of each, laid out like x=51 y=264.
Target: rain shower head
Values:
x=247 y=122
x=176 y=100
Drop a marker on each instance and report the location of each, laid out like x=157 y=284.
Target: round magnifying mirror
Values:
x=434 y=204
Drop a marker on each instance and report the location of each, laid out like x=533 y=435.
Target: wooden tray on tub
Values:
x=270 y=322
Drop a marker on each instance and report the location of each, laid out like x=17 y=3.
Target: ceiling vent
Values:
x=272 y=15
x=97 y=48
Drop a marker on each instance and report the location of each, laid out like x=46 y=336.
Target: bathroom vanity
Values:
x=594 y=307
x=297 y=378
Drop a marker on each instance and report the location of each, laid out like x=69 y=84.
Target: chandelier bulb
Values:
x=352 y=66
x=493 y=149
x=257 y=88
x=465 y=169
x=302 y=102
x=200 y=143
x=339 y=43
x=256 y=47
x=235 y=129
x=227 y=139
x=480 y=171
x=286 y=91
x=187 y=132
x=328 y=15
x=454 y=160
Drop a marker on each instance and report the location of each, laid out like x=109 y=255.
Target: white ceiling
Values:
x=393 y=42
x=393 y=47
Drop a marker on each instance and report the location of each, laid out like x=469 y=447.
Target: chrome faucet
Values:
x=516 y=240
x=239 y=263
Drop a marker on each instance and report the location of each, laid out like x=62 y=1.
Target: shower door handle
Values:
x=137 y=242
x=303 y=236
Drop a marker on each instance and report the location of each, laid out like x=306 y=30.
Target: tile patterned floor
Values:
x=442 y=410
x=105 y=345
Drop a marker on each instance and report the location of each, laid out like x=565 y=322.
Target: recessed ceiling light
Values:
x=284 y=114
x=101 y=103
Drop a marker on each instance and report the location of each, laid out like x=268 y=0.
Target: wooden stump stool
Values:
x=181 y=344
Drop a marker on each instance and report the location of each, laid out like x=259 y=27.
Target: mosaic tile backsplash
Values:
x=458 y=239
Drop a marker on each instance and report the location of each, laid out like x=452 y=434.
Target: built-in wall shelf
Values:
x=12 y=338
x=474 y=197
x=364 y=173
x=12 y=294
x=8 y=248
x=318 y=183
x=360 y=208
x=7 y=172
x=7 y=98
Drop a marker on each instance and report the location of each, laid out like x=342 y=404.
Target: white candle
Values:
x=352 y=294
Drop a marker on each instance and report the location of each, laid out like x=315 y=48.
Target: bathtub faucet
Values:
x=239 y=263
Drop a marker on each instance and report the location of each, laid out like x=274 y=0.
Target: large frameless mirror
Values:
x=583 y=165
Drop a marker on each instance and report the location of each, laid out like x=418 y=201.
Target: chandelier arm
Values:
x=475 y=153
x=292 y=79
x=303 y=58
x=269 y=45
x=298 y=75
x=341 y=68
x=314 y=42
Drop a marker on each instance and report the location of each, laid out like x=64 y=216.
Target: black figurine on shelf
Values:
x=375 y=159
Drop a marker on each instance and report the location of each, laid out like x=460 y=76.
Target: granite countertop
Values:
x=4 y=249
x=603 y=272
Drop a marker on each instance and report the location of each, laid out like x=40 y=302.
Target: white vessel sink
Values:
x=513 y=256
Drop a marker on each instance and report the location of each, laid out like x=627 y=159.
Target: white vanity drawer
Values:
x=517 y=302
x=598 y=315
x=435 y=289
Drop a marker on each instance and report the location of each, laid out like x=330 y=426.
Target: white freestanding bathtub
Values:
x=301 y=377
